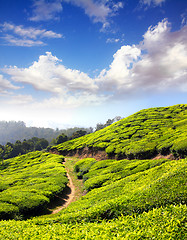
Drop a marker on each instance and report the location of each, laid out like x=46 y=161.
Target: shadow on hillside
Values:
x=60 y=199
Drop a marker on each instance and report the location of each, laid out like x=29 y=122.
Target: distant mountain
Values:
x=145 y=134
x=13 y=131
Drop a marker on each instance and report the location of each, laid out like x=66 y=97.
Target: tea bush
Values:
x=128 y=187
x=142 y=135
x=162 y=223
x=29 y=182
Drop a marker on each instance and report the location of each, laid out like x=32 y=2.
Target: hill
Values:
x=29 y=182
x=126 y=199
x=12 y=131
x=142 y=135
x=131 y=198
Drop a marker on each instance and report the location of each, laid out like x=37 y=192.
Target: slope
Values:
x=29 y=182
x=142 y=135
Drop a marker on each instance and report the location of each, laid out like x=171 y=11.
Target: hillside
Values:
x=142 y=135
x=29 y=182
x=126 y=199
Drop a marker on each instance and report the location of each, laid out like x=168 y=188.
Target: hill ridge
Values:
x=145 y=134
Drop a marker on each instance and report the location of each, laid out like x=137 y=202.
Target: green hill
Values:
x=29 y=182
x=126 y=199
x=132 y=198
x=142 y=135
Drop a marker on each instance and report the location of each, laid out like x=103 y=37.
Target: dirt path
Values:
x=73 y=191
x=69 y=196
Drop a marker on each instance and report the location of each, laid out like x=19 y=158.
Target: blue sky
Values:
x=67 y=63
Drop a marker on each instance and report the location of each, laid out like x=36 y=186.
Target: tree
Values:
x=2 y=151
x=61 y=138
x=78 y=133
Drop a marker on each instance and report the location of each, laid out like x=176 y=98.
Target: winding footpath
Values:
x=69 y=196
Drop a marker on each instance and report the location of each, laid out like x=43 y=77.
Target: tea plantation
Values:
x=131 y=195
x=142 y=135
x=126 y=199
x=29 y=182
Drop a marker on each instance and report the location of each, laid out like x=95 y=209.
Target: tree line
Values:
x=11 y=130
x=10 y=150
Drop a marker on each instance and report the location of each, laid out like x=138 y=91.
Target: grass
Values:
x=79 y=187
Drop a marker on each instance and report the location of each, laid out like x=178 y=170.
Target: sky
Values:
x=66 y=63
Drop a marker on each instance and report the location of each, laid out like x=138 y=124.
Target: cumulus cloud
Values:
x=69 y=86
x=117 y=77
x=27 y=37
x=48 y=74
x=44 y=10
x=158 y=63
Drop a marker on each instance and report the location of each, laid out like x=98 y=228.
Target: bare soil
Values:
x=67 y=197
x=64 y=199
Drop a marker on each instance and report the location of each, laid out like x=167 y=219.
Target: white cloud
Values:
x=6 y=85
x=20 y=99
x=158 y=63
x=112 y=40
x=184 y=18
x=27 y=37
x=69 y=87
x=44 y=10
x=48 y=74
x=29 y=32
x=118 y=75
x=98 y=11
x=152 y=2
x=14 y=41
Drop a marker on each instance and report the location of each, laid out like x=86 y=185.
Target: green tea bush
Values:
x=162 y=223
x=29 y=183
x=133 y=186
x=142 y=135
x=83 y=166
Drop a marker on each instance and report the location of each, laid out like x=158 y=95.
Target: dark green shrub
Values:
x=83 y=166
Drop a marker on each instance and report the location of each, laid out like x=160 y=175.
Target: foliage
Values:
x=11 y=150
x=138 y=199
x=12 y=131
x=61 y=138
x=140 y=136
x=163 y=223
x=29 y=182
x=100 y=126
x=83 y=166
x=127 y=187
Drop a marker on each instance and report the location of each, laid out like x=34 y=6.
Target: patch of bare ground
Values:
x=71 y=193
x=169 y=156
x=66 y=198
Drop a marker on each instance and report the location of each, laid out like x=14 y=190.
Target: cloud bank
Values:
x=157 y=64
